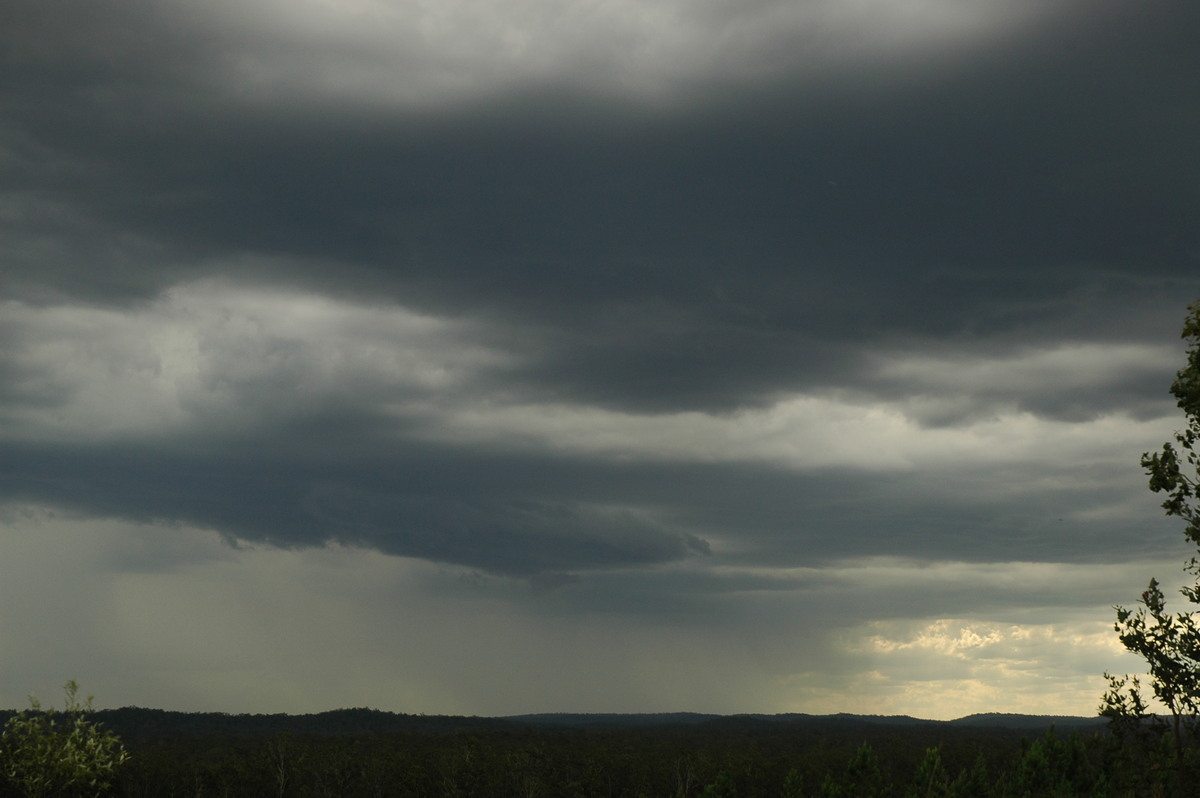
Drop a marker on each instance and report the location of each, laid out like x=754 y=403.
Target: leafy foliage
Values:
x=1169 y=642
x=45 y=753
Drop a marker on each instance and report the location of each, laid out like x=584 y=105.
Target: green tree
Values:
x=1168 y=642
x=862 y=777
x=793 y=785
x=1056 y=766
x=931 y=778
x=974 y=782
x=723 y=787
x=45 y=753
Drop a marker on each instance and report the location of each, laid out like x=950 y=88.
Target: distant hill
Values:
x=1007 y=721
x=136 y=722
x=612 y=719
x=840 y=720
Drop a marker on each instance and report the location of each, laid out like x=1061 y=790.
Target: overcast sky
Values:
x=487 y=357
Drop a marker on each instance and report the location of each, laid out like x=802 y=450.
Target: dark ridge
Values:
x=1010 y=721
x=579 y=720
x=840 y=720
x=137 y=722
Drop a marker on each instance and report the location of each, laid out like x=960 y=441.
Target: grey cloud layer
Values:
x=724 y=238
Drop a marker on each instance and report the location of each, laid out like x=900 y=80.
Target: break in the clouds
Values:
x=814 y=342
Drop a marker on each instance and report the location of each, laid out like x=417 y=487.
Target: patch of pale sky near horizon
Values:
x=416 y=53
x=213 y=351
x=258 y=629
x=948 y=667
x=877 y=693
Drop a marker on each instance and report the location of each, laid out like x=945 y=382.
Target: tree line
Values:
x=729 y=757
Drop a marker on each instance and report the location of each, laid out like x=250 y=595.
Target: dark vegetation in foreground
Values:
x=362 y=752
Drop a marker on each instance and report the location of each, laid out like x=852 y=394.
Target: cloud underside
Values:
x=299 y=420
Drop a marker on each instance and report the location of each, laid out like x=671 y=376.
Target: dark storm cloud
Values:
x=752 y=239
x=792 y=207
x=539 y=514
x=502 y=516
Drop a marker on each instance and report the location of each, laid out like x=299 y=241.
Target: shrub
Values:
x=44 y=753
